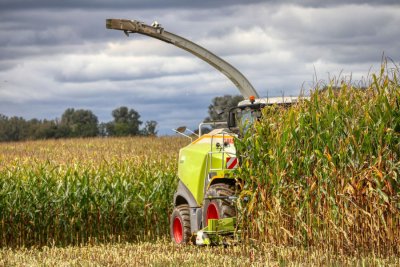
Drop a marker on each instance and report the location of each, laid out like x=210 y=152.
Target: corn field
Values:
x=320 y=174
x=325 y=173
x=89 y=190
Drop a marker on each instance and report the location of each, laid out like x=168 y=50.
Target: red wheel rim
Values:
x=178 y=230
x=212 y=212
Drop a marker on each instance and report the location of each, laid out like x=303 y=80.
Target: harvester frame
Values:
x=204 y=205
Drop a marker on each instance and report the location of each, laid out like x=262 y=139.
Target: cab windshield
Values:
x=247 y=117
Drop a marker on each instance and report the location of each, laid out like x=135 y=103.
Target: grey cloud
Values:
x=5 y=65
x=60 y=55
x=161 y=4
x=328 y=3
x=46 y=28
x=119 y=4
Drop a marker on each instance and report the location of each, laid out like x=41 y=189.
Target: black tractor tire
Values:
x=180 y=224
x=218 y=208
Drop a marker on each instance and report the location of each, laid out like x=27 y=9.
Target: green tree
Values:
x=78 y=123
x=33 y=126
x=48 y=129
x=126 y=122
x=3 y=127
x=150 y=128
x=16 y=129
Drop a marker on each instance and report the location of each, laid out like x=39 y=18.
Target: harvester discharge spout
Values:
x=156 y=31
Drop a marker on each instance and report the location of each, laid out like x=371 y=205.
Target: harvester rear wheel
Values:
x=218 y=208
x=180 y=224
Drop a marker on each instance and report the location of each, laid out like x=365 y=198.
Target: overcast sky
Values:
x=57 y=54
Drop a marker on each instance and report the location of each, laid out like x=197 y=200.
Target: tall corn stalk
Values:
x=325 y=172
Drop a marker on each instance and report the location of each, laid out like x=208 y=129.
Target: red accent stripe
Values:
x=231 y=163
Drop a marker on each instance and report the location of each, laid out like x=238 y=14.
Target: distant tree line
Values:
x=75 y=123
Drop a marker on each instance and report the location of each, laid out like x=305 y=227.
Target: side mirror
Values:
x=231 y=119
x=181 y=129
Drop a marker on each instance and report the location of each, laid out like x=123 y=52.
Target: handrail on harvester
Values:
x=156 y=31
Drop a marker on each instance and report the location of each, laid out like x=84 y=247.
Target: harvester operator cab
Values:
x=244 y=116
x=247 y=112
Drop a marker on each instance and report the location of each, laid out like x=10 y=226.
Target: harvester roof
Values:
x=274 y=100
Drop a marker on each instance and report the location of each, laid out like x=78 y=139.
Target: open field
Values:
x=163 y=253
